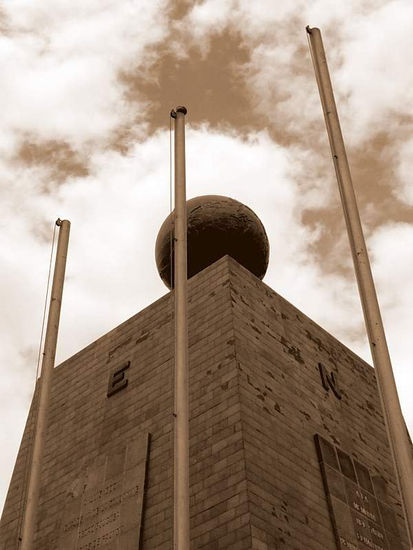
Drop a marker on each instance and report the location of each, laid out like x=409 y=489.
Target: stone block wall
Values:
x=256 y=402
x=284 y=404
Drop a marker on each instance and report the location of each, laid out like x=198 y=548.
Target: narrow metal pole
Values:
x=181 y=416
x=49 y=353
x=396 y=429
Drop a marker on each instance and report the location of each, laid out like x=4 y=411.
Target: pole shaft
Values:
x=181 y=462
x=396 y=429
x=49 y=354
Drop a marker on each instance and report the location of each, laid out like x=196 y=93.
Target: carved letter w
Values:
x=329 y=381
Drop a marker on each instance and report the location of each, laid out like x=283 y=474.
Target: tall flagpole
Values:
x=396 y=429
x=49 y=353
x=181 y=413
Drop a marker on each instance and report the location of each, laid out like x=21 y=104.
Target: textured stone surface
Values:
x=360 y=511
x=217 y=226
x=106 y=506
x=256 y=401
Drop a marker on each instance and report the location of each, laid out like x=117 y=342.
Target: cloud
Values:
x=370 y=68
x=280 y=63
x=60 y=65
x=392 y=245
x=403 y=152
x=362 y=41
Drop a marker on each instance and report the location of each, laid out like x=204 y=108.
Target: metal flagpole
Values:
x=181 y=414
x=49 y=353
x=396 y=428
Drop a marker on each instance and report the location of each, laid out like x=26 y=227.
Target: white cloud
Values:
x=60 y=67
x=206 y=15
x=392 y=260
x=366 y=44
x=364 y=62
x=403 y=153
x=374 y=80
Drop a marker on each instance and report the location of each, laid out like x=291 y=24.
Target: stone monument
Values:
x=288 y=450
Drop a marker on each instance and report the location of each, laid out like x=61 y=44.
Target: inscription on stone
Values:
x=107 y=513
x=329 y=381
x=117 y=379
x=360 y=514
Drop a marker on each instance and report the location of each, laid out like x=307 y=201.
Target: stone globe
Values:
x=217 y=226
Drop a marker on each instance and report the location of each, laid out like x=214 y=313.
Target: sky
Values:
x=86 y=90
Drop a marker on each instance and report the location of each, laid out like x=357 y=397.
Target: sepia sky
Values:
x=85 y=95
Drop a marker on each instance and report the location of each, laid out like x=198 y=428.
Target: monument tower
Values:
x=287 y=445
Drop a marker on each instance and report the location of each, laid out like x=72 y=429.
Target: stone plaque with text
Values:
x=104 y=508
x=360 y=513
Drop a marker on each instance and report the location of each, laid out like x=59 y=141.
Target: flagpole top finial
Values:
x=180 y=109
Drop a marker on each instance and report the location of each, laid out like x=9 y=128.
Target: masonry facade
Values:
x=288 y=448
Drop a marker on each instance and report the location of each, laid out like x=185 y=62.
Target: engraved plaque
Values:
x=106 y=512
x=360 y=514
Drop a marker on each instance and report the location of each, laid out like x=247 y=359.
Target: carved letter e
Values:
x=117 y=379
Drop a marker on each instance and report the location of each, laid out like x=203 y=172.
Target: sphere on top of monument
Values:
x=217 y=226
